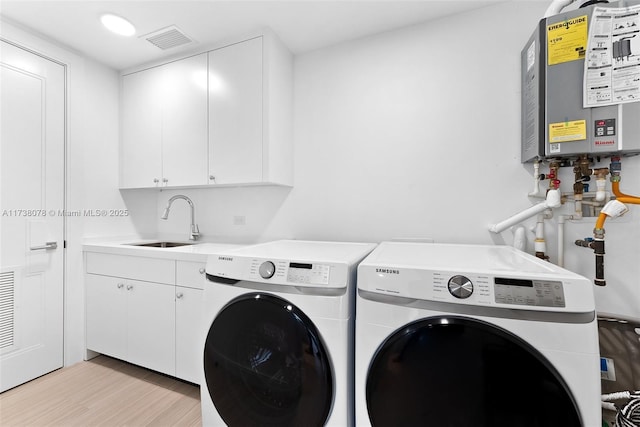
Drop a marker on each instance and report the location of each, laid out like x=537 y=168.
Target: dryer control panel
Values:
x=473 y=275
x=276 y=271
x=305 y=273
x=465 y=288
x=541 y=293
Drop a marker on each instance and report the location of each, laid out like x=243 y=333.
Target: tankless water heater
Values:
x=555 y=125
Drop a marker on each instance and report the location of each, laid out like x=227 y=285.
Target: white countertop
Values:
x=193 y=251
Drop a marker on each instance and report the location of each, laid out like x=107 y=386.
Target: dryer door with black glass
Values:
x=456 y=371
x=266 y=364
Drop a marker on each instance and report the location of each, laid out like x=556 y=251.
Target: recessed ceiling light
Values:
x=118 y=25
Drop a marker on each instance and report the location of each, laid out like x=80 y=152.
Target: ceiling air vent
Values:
x=167 y=38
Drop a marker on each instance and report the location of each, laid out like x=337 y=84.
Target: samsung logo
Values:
x=387 y=271
x=225 y=258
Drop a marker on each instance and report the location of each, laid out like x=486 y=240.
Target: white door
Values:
x=32 y=132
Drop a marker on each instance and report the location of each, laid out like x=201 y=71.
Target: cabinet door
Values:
x=189 y=337
x=140 y=157
x=184 y=122
x=151 y=325
x=106 y=315
x=236 y=113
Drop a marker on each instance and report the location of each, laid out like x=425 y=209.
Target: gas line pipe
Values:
x=613 y=208
x=616 y=169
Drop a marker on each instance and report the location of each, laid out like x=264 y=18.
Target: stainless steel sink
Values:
x=161 y=244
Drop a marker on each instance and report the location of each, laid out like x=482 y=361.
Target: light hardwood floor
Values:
x=102 y=392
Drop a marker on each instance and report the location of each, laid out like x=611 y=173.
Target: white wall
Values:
x=99 y=157
x=416 y=133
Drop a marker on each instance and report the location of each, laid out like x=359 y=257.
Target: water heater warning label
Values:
x=567 y=40
x=568 y=131
x=612 y=66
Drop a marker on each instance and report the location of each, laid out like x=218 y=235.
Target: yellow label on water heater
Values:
x=568 y=131
x=567 y=40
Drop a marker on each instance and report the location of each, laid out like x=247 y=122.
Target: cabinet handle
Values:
x=179 y=295
x=156 y=180
x=129 y=287
x=202 y=270
x=165 y=180
x=120 y=285
x=212 y=178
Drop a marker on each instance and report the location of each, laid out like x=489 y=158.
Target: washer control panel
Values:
x=308 y=274
x=297 y=273
x=487 y=276
x=545 y=293
x=468 y=287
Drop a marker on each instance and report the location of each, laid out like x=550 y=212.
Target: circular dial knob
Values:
x=267 y=269
x=460 y=287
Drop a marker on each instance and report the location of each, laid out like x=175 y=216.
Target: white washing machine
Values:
x=278 y=349
x=462 y=335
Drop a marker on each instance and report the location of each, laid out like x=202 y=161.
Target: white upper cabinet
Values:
x=184 y=122
x=250 y=113
x=164 y=117
x=141 y=155
x=223 y=117
x=235 y=113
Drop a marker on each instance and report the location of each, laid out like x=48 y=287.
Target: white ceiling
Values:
x=303 y=25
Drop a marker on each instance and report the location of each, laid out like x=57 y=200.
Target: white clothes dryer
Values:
x=278 y=345
x=473 y=335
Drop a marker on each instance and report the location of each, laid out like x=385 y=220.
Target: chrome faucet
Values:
x=195 y=232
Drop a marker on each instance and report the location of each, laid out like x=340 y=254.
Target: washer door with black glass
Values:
x=460 y=372
x=266 y=365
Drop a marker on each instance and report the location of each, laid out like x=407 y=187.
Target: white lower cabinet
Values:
x=190 y=281
x=188 y=345
x=154 y=324
x=106 y=315
x=151 y=326
x=132 y=320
